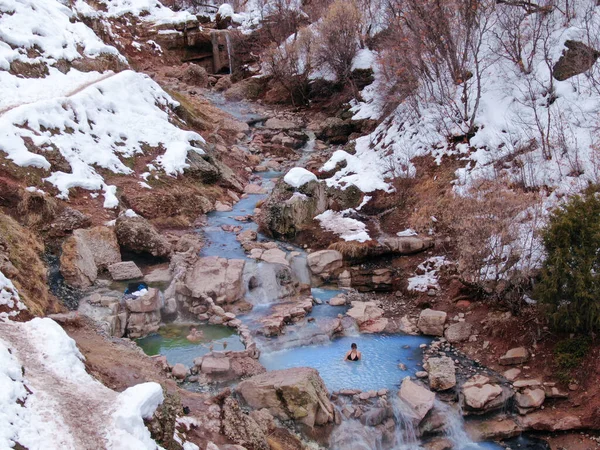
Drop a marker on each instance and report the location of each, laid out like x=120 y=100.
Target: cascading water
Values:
x=229 y=52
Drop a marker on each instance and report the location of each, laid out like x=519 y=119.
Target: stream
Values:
x=306 y=343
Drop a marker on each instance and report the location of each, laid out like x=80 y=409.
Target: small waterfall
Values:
x=300 y=269
x=406 y=436
x=352 y=435
x=229 y=52
x=455 y=427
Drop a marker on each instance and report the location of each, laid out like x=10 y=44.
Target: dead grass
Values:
x=20 y=250
x=356 y=250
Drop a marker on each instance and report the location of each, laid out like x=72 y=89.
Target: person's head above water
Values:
x=353 y=346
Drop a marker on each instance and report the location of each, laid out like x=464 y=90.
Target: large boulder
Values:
x=432 y=322
x=417 y=397
x=325 y=261
x=577 y=59
x=335 y=130
x=219 y=278
x=241 y=428
x=368 y=316
x=77 y=263
x=103 y=244
x=442 y=373
x=298 y=394
x=138 y=235
x=458 y=332
x=478 y=392
x=143 y=323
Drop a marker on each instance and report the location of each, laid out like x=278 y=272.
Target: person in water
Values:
x=353 y=354
x=194 y=335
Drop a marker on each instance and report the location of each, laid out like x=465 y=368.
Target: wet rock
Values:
x=577 y=59
x=274 y=256
x=514 y=356
x=496 y=428
x=219 y=278
x=338 y=300
x=142 y=324
x=325 y=261
x=298 y=394
x=126 y=270
x=222 y=207
x=199 y=167
x=213 y=365
x=442 y=373
x=458 y=332
x=254 y=189
x=417 y=397
x=138 y=235
x=432 y=322
x=196 y=75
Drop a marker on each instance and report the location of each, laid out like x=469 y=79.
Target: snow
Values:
x=225 y=10
x=347 y=228
x=147 y=10
x=42 y=377
x=132 y=406
x=429 y=276
x=407 y=232
x=97 y=127
x=364 y=59
x=298 y=177
x=9 y=298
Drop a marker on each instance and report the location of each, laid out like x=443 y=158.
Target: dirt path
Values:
x=85 y=409
x=68 y=94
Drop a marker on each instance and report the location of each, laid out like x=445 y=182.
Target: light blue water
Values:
x=378 y=368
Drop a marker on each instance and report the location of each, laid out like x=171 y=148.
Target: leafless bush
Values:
x=291 y=64
x=339 y=37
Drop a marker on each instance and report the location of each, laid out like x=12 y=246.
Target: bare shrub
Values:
x=339 y=37
x=291 y=64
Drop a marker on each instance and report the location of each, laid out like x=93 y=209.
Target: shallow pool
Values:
x=378 y=369
x=171 y=342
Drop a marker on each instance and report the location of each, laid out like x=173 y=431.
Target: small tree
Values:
x=339 y=37
x=570 y=279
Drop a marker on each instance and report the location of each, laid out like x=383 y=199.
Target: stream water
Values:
x=382 y=354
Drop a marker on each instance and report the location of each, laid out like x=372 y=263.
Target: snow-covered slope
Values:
x=60 y=95
x=47 y=399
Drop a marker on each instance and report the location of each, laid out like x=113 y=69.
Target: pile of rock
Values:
x=481 y=394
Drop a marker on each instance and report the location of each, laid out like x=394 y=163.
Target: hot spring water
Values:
x=171 y=342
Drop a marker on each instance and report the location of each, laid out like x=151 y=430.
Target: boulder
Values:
x=212 y=365
x=417 y=397
x=458 y=332
x=196 y=75
x=274 y=256
x=335 y=130
x=179 y=371
x=219 y=278
x=254 y=189
x=551 y=420
x=530 y=398
x=138 y=235
x=77 y=263
x=514 y=356
x=492 y=429
x=68 y=220
x=338 y=300
x=442 y=373
x=478 y=392
x=126 y=270
x=142 y=324
x=148 y=302
x=512 y=374
x=432 y=322
x=223 y=84
x=368 y=316
x=406 y=245
x=298 y=394
x=577 y=59
x=325 y=261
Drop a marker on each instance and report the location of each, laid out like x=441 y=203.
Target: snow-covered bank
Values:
x=48 y=400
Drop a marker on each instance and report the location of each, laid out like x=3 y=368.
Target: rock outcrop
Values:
x=144 y=313
x=219 y=278
x=324 y=261
x=577 y=59
x=298 y=394
x=126 y=270
x=138 y=235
